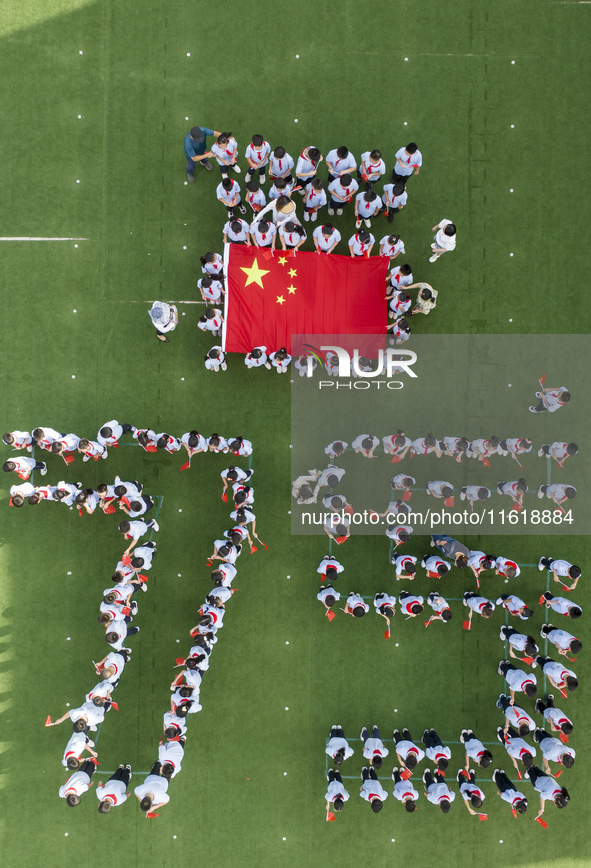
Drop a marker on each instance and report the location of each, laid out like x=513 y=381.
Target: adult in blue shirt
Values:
x=195 y=150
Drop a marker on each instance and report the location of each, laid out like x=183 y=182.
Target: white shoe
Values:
x=541 y=453
x=268 y=365
x=330 y=211
x=339 y=211
x=302 y=373
x=358 y=224
x=237 y=168
x=306 y=216
x=538 y=395
x=541 y=493
x=541 y=566
x=224 y=366
x=156 y=526
x=433 y=258
x=262 y=179
x=314 y=216
x=43 y=470
x=367 y=223
x=247 y=177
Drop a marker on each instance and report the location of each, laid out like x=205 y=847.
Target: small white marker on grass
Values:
x=287 y=707
x=68 y=638
x=397 y=644
x=180 y=510
x=284 y=839
x=69 y=572
x=510 y=254
x=188 y=54
x=79 y=116
x=182 y=379
x=186 y=120
x=287 y=643
x=80 y=52
x=405 y=124
x=74 y=311
x=67 y=704
x=512 y=126
x=179 y=575
x=174 y=837
x=184 y=246
x=73 y=376
x=65 y=833
x=295 y=120
x=284 y=774
x=178 y=640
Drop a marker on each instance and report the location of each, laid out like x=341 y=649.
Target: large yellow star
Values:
x=291 y=289
x=293 y=272
x=254 y=274
x=282 y=260
x=280 y=299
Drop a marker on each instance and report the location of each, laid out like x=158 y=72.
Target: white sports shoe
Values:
x=330 y=211
x=367 y=223
x=433 y=258
x=224 y=366
x=237 y=168
x=358 y=224
x=339 y=211
x=314 y=216
x=306 y=216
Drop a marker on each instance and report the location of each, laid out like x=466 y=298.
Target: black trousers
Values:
x=122 y=775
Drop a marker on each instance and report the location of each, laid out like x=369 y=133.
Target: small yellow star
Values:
x=293 y=272
x=291 y=289
x=282 y=260
x=254 y=274
x=280 y=299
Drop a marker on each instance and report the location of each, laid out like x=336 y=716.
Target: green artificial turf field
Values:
x=97 y=98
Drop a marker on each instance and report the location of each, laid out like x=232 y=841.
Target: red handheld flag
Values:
x=330 y=614
x=109 y=510
x=126 y=610
x=142 y=578
x=542 y=823
x=267 y=254
x=126 y=560
x=96 y=457
x=519 y=775
x=482 y=817
x=564 y=693
x=405 y=774
x=517 y=507
x=48 y=721
x=542 y=380
x=186 y=465
x=151 y=448
x=542 y=600
x=151 y=816
x=486 y=462
x=514 y=812
x=225 y=497
x=395 y=460
x=115 y=705
x=466 y=625
x=563 y=737
x=407 y=495
x=449 y=501
x=253 y=549
x=557 y=775
x=349 y=510
x=68 y=457
x=387 y=633
x=340 y=540
x=94 y=760
x=330 y=816
x=179 y=661
x=528 y=660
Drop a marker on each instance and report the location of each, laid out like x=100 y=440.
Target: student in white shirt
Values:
x=326 y=238
x=340 y=161
x=445 y=239
x=408 y=161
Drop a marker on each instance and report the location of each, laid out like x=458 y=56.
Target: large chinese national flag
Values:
x=268 y=299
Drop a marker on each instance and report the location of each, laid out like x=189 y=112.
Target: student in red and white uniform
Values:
x=514 y=446
x=401 y=277
x=244 y=516
x=280 y=360
x=478 y=562
x=223 y=574
x=506 y=790
x=23 y=467
x=391 y=246
x=385 y=605
x=66 y=492
x=211 y=290
x=341 y=191
x=153 y=792
x=329 y=568
x=87 y=716
x=225 y=151
x=437 y=791
x=232 y=475
x=518 y=680
x=440 y=606
x=314 y=199
x=455 y=447
x=171 y=756
x=88 y=500
x=371 y=168
x=515 y=490
x=366 y=445
x=307 y=165
x=256 y=198
x=243 y=494
x=292 y=235
x=515 y=716
x=174 y=725
x=18 y=440
x=91 y=449
x=397 y=444
x=548 y=788
x=425 y=446
x=228 y=193
x=557 y=674
x=435 y=749
x=326 y=238
x=224 y=551
x=506 y=568
x=557 y=492
x=395 y=198
x=113 y=792
x=516 y=747
x=550 y=399
x=474 y=494
x=374 y=748
x=559 y=451
x=406 y=567
x=553 y=750
x=211 y=321
x=336 y=794
x=44 y=437
x=483 y=448
x=372 y=790
x=215 y=360
x=263 y=234
x=339 y=162
x=237 y=231
x=42 y=492
x=563 y=640
x=213 y=264
x=439 y=488
x=280 y=164
x=518 y=641
x=398 y=533
x=136 y=508
x=445 y=239
x=471 y=794
x=257 y=155
x=134 y=530
x=111 y=433
x=194 y=442
x=111 y=666
x=475 y=750
x=167 y=442
x=77 y=784
x=328 y=596
x=146 y=438
x=561 y=605
x=65 y=445
x=561 y=568
x=410 y=604
x=338 y=746
x=515 y=606
x=408 y=753
x=400 y=302
x=367 y=205
x=557 y=719
x=356 y=606
x=78 y=743
x=257 y=358
x=436 y=567
x=402 y=482
x=479 y=605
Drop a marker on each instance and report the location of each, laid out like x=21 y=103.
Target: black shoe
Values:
x=390 y=218
x=206 y=165
x=242 y=209
x=190 y=178
x=163 y=339
x=127 y=428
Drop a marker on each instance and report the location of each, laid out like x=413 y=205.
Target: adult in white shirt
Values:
x=113 y=792
x=445 y=239
x=165 y=318
x=280 y=211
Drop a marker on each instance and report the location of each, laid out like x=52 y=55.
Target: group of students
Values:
x=116 y=612
x=105 y=496
x=517 y=722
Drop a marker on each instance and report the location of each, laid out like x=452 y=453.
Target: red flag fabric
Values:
x=563 y=737
x=542 y=380
x=48 y=721
x=407 y=495
x=269 y=300
x=126 y=560
x=405 y=775
x=542 y=823
x=330 y=816
x=517 y=507
x=449 y=501
x=466 y=625
x=482 y=817
x=330 y=614
x=395 y=460
x=69 y=458
x=110 y=509
x=387 y=633
x=179 y=661
x=186 y=465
